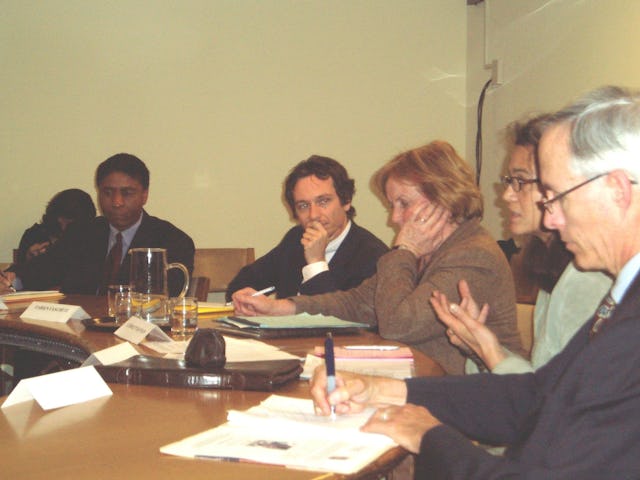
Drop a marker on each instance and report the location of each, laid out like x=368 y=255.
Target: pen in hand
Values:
x=9 y=286
x=330 y=365
x=264 y=291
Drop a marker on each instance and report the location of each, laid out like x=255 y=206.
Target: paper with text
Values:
x=285 y=431
x=54 y=312
x=135 y=330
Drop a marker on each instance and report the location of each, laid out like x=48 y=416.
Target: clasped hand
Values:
x=37 y=249
x=314 y=241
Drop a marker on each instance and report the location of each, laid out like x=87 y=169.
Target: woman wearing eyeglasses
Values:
x=566 y=297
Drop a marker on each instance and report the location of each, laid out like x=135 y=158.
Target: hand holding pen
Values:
x=264 y=291
x=6 y=282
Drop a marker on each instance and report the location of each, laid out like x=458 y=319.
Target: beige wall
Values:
x=552 y=51
x=220 y=99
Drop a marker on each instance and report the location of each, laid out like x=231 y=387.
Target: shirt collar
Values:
x=625 y=277
x=127 y=235
x=334 y=244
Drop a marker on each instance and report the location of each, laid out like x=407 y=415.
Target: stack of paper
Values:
x=285 y=431
x=380 y=360
x=19 y=300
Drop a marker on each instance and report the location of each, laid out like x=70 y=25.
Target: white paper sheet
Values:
x=284 y=431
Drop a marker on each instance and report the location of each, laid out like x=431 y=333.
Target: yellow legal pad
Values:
x=205 y=308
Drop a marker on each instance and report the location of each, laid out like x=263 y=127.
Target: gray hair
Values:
x=605 y=131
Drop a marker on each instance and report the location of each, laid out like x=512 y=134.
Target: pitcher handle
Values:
x=185 y=272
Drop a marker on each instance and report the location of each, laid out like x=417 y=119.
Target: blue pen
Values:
x=330 y=364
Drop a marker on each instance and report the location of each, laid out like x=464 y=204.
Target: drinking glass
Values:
x=184 y=315
x=111 y=297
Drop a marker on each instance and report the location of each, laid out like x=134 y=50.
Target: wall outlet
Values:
x=496 y=72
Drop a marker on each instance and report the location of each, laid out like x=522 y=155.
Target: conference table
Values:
x=119 y=436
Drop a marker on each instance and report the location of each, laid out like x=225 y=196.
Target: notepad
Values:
x=208 y=308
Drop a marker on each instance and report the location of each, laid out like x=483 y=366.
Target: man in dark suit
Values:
x=577 y=416
x=83 y=261
x=327 y=251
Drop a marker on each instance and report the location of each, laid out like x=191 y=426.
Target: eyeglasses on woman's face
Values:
x=516 y=183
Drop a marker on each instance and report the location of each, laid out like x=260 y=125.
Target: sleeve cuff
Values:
x=311 y=270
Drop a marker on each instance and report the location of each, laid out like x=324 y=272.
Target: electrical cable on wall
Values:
x=479 y=132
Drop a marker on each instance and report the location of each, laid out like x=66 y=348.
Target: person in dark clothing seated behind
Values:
x=77 y=262
x=326 y=251
x=62 y=210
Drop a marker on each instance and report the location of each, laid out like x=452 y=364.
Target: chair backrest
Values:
x=220 y=265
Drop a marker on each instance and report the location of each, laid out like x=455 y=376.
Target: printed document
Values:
x=285 y=431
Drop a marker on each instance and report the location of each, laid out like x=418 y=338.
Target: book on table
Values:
x=285 y=431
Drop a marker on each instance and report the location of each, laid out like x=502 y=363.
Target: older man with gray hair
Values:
x=578 y=416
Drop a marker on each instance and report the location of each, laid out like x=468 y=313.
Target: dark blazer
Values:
x=76 y=263
x=354 y=261
x=575 y=418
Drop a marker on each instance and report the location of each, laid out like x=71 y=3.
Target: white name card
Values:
x=53 y=312
x=3 y=306
x=60 y=389
x=115 y=354
x=135 y=330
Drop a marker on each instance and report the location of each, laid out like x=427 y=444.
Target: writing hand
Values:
x=406 y=424
x=314 y=240
x=354 y=392
x=244 y=303
x=351 y=394
x=6 y=282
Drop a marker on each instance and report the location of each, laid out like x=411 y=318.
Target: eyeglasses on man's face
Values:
x=516 y=183
x=547 y=203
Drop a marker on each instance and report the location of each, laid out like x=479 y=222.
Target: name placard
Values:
x=60 y=389
x=135 y=330
x=53 y=312
x=115 y=354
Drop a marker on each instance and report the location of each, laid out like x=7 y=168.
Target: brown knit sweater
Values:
x=396 y=299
